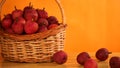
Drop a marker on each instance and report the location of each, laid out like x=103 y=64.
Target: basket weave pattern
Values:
x=32 y=50
x=35 y=49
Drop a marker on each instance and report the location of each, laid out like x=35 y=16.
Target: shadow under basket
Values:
x=38 y=47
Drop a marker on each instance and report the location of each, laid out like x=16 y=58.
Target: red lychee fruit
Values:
x=82 y=57
x=42 y=21
x=60 y=57
x=30 y=13
x=27 y=8
x=42 y=13
x=90 y=63
x=18 y=25
x=52 y=20
x=6 y=23
x=9 y=30
x=51 y=26
x=20 y=20
x=42 y=28
x=17 y=13
x=31 y=27
x=102 y=54
x=8 y=16
x=114 y=62
x=17 y=28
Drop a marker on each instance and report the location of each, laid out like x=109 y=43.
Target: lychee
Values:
x=82 y=58
x=60 y=57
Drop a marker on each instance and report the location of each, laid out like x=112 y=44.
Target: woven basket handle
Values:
x=1 y=4
x=57 y=1
x=61 y=10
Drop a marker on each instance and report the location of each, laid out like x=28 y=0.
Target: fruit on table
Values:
x=60 y=57
x=90 y=63
x=17 y=13
x=82 y=57
x=114 y=62
x=31 y=27
x=102 y=54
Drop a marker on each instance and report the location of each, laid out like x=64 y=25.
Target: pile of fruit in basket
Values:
x=28 y=21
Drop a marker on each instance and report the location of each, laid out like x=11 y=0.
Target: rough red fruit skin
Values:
x=20 y=20
x=27 y=8
x=9 y=30
x=18 y=28
x=90 y=63
x=42 y=21
x=31 y=27
x=18 y=25
x=42 y=28
x=31 y=14
x=52 y=20
x=102 y=54
x=60 y=57
x=51 y=26
x=17 y=13
x=82 y=57
x=8 y=16
x=114 y=62
x=42 y=13
x=6 y=23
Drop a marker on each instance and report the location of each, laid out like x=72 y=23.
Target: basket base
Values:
x=30 y=60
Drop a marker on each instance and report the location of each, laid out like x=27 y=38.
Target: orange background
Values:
x=92 y=24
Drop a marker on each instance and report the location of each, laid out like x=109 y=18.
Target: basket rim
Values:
x=40 y=35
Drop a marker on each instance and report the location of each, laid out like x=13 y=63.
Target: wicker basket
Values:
x=37 y=47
